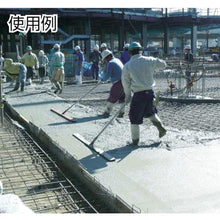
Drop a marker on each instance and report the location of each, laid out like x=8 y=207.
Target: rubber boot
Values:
x=41 y=80
x=108 y=109
x=22 y=86
x=29 y=81
x=16 y=86
x=158 y=124
x=122 y=112
x=78 y=79
x=57 y=84
x=61 y=87
x=135 y=134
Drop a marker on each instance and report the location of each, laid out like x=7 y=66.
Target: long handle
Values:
x=116 y=114
x=98 y=83
x=17 y=49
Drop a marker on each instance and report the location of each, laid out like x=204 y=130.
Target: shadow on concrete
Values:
x=122 y=152
x=61 y=123
x=94 y=162
x=90 y=118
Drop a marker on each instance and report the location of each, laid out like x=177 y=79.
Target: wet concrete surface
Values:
x=178 y=173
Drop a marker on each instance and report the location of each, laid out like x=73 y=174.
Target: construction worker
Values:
x=188 y=58
x=79 y=60
x=43 y=62
x=113 y=71
x=103 y=47
x=16 y=71
x=103 y=63
x=57 y=68
x=94 y=59
x=215 y=57
x=31 y=62
x=137 y=77
x=125 y=57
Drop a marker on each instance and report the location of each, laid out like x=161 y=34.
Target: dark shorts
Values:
x=30 y=72
x=142 y=106
x=116 y=93
x=42 y=71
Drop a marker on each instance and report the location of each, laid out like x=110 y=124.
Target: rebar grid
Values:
x=27 y=171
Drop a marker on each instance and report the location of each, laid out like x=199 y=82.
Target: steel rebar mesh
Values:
x=27 y=171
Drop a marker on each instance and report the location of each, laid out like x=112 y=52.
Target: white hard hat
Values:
x=105 y=53
x=96 y=47
x=77 y=47
x=41 y=53
x=56 y=46
x=103 y=45
x=126 y=45
x=187 y=47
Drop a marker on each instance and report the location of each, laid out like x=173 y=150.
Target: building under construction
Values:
x=154 y=27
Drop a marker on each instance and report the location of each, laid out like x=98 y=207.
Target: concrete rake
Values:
x=91 y=144
x=67 y=117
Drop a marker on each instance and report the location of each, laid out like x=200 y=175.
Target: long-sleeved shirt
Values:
x=113 y=70
x=125 y=57
x=79 y=58
x=188 y=57
x=95 y=57
x=43 y=61
x=137 y=74
x=57 y=60
x=30 y=60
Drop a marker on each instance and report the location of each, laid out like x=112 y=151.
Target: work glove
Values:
x=101 y=76
x=127 y=99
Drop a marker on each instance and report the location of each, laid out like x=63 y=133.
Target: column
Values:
x=166 y=40
x=194 y=39
x=112 y=41
x=88 y=42
x=144 y=35
x=122 y=33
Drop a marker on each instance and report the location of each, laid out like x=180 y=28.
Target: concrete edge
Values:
x=70 y=162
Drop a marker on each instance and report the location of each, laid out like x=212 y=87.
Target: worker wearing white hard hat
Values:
x=43 y=63
x=125 y=57
x=103 y=46
x=137 y=79
x=94 y=59
x=56 y=46
x=113 y=72
x=188 y=54
x=78 y=64
x=187 y=47
x=188 y=58
x=57 y=68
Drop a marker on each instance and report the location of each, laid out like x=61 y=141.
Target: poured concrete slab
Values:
x=178 y=174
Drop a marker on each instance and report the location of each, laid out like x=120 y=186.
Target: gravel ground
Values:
x=198 y=117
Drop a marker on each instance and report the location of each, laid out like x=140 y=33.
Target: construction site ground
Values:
x=179 y=173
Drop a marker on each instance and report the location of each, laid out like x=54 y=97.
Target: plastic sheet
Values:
x=12 y=204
